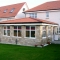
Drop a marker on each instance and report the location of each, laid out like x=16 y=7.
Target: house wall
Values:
x=9 y=18
x=20 y=14
x=54 y=15
x=24 y=41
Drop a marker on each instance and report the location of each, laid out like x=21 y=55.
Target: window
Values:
x=17 y=31
x=23 y=9
x=7 y=30
x=44 y=31
x=33 y=15
x=12 y=10
x=47 y=14
x=5 y=11
x=49 y=31
x=58 y=30
x=30 y=31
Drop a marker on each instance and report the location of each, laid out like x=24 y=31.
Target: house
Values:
x=27 y=31
x=30 y=31
x=13 y=11
x=47 y=11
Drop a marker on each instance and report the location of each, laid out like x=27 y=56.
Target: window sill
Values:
x=30 y=37
x=47 y=18
x=44 y=37
x=6 y=36
x=16 y=37
x=49 y=36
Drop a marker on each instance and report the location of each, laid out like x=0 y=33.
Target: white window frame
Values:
x=30 y=32
x=17 y=32
x=6 y=31
x=33 y=15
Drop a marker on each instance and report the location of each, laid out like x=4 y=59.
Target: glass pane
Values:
x=35 y=16
x=27 y=33
x=23 y=9
x=19 y=33
x=5 y=11
x=47 y=14
x=59 y=31
x=4 y=32
x=19 y=27
x=32 y=15
x=8 y=32
x=15 y=27
x=12 y=10
x=32 y=33
x=27 y=27
x=4 y=27
x=49 y=27
x=8 y=27
x=44 y=34
x=15 y=32
x=32 y=28
x=49 y=33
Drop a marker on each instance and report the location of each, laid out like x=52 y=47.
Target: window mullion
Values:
x=30 y=31
x=6 y=31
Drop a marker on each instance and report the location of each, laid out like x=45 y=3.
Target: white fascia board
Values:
x=50 y=24
x=32 y=24
x=21 y=24
x=43 y=11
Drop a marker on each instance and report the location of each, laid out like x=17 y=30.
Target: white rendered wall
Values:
x=54 y=16
x=9 y=18
x=20 y=14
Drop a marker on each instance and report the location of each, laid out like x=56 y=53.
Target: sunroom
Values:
x=27 y=31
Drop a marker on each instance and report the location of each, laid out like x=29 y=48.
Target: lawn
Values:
x=15 y=52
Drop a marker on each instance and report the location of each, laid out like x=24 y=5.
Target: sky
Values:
x=30 y=3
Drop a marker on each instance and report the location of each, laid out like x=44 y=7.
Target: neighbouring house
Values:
x=27 y=31
x=47 y=11
x=13 y=11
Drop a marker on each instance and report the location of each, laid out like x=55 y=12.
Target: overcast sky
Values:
x=31 y=3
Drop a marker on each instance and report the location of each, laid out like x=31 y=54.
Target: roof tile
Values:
x=26 y=20
x=53 y=5
x=9 y=8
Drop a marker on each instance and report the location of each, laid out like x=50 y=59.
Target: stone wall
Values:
x=38 y=40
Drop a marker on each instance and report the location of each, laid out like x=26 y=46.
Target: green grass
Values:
x=14 y=52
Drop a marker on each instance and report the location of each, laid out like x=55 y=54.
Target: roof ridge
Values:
x=13 y=4
x=43 y=6
x=27 y=20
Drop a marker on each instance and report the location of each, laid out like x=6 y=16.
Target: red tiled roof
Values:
x=53 y=5
x=17 y=7
x=27 y=20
